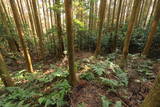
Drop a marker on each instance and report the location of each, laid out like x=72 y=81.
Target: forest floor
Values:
x=102 y=83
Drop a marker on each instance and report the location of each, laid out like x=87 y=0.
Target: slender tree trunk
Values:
x=44 y=14
x=59 y=28
x=129 y=10
x=153 y=10
x=11 y=41
x=68 y=11
x=38 y=28
x=47 y=15
x=21 y=35
x=153 y=30
x=4 y=74
x=96 y=15
x=5 y=10
x=141 y=13
x=145 y=21
x=113 y=15
x=130 y=28
x=109 y=11
x=91 y=14
x=122 y=13
x=30 y=18
x=39 y=16
x=20 y=11
x=117 y=26
x=101 y=20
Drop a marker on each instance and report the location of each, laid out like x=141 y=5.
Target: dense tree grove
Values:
x=79 y=53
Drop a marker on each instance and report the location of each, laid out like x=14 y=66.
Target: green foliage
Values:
x=85 y=40
x=105 y=101
x=59 y=73
x=87 y=76
x=17 y=96
x=98 y=68
x=60 y=90
x=118 y=104
x=109 y=82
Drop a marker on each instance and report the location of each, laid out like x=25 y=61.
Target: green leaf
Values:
x=105 y=101
x=109 y=82
x=41 y=100
x=118 y=104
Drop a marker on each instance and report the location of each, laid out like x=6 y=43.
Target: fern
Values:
x=61 y=89
x=105 y=101
x=118 y=104
x=109 y=82
x=87 y=76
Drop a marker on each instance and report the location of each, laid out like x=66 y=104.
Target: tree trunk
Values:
x=153 y=30
x=113 y=15
x=91 y=14
x=38 y=27
x=153 y=99
x=130 y=28
x=21 y=35
x=101 y=20
x=68 y=11
x=11 y=41
x=117 y=26
x=59 y=28
x=109 y=11
x=4 y=74
x=145 y=21
x=153 y=10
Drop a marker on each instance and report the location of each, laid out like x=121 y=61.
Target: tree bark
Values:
x=21 y=35
x=38 y=27
x=130 y=28
x=117 y=26
x=68 y=11
x=59 y=28
x=4 y=74
x=11 y=41
x=91 y=14
x=153 y=99
x=153 y=30
x=101 y=20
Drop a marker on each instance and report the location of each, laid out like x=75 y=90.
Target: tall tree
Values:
x=101 y=20
x=141 y=13
x=59 y=28
x=21 y=12
x=113 y=15
x=44 y=14
x=13 y=45
x=153 y=30
x=147 y=14
x=135 y=10
x=38 y=27
x=21 y=35
x=117 y=25
x=153 y=10
x=30 y=17
x=4 y=74
x=109 y=11
x=68 y=11
x=91 y=15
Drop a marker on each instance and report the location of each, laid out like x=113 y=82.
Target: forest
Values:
x=79 y=53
